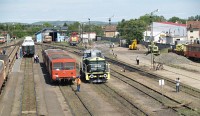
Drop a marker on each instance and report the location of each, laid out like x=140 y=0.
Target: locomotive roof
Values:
x=92 y=50
x=92 y=53
x=28 y=41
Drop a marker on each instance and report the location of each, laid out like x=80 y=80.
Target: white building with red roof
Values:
x=166 y=32
x=193 y=28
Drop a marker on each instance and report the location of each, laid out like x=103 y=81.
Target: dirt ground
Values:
x=174 y=65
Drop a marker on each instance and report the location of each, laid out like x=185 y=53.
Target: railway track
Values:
x=28 y=97
x=124 y=103
x=185 y=88
x=76 y=104
x=156 y=95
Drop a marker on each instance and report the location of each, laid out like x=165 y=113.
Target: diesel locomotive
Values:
x=94 y=67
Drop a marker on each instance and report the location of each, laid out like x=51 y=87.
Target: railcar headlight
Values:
x=105 y=75
x=91 y=76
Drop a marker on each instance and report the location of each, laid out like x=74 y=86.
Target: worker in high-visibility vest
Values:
x=78 y=82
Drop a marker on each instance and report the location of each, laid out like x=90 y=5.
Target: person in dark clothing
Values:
x=4 y=51
x=16 y=55
x=137 y=60
x=37 y=59
x=177 y=85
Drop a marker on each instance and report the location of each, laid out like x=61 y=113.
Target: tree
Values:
x=132 y=29
x=194 y=18
x=46 y=24
x=177 y=19
x=65 y=24
x=73 y=28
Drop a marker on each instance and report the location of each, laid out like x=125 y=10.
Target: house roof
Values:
x=170 y=23
x=44 y=29
x=111 y=28
x=193 y=24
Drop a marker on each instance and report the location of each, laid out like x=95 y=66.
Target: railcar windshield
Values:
x=97 y=66
x=64 y=66
x=28 y=40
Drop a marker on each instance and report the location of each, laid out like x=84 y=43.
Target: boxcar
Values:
x=192 y=51
x=28 y=46
x=59 y=65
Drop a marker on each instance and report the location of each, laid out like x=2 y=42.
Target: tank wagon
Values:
x=28 y=46
x=4 y=69
x=59 y=65
x=94 y=67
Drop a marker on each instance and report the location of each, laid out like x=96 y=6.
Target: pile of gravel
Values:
x=171 y=58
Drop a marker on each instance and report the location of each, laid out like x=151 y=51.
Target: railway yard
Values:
x=131 y=90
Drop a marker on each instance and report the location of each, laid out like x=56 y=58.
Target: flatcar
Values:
x=28 y=46
x=192 y=51
x=59 y=65
x=94 y=67
x=4 y=69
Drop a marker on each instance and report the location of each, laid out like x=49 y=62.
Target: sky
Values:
x=29 y=11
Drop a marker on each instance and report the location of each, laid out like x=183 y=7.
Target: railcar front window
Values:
x=68 y=66
x=57 y=66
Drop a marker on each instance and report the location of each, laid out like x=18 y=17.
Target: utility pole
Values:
x=152 y=39
x=89 y=30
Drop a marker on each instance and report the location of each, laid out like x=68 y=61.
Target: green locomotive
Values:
x=94 y=67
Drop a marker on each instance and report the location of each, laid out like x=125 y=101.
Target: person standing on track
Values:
x=137 y=60
x=78 y=82
x=177 y=85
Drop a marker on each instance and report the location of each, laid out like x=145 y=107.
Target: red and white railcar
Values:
x=59 y=65
x=192 y=51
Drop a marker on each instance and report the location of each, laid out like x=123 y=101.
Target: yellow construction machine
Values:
x=133 y=45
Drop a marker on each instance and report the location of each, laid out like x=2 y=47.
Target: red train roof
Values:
x=57 y=54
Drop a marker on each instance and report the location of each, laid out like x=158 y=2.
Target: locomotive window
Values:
x=68 y=66
x=98 y=66
x=57 y=66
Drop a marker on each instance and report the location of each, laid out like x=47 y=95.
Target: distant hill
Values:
x=61 y=23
